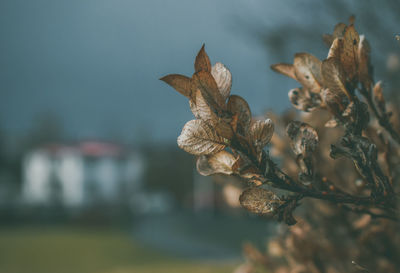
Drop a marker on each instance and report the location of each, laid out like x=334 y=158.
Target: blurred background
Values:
x=91 y=178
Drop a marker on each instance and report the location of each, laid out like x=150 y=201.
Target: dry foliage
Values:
x=341 y=158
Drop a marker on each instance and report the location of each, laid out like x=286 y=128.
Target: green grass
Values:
x=62 y=250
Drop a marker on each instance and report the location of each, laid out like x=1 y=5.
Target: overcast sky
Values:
x=95 y=64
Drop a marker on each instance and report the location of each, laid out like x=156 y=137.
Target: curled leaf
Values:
x=261 y=132
x=285 y=69
x=199 y=138
x=333 y=76
x=181 y=83
x=304 y=139
x=260 y=201
x=237 y=106
x=308 y=71
x=221 y=162
x=223 y=78
x=202 y=62
x=303 y=100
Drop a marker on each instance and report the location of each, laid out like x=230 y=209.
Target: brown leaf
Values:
x=333 y=76
x=261 y=132
x=364 y=63
x=199 y=138
x=221 y=162
x=339 y=30
x=304 y=139
x=303 y=100
x=285 y=69
x=239 y=107
x=334 y=101
x=260 y=201
x=224 y=128
x=202 y=62
x=348 y=55
x=181 y=83
x=205 y=82
x=203 y=110
x=193 y=108
x=223 y=78
x=308 y=71
x=335 y=49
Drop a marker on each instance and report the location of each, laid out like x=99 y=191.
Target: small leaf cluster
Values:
x=224 y=136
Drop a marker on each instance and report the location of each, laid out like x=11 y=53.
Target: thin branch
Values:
x=383 y=119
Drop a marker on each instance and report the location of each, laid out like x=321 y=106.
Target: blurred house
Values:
x=81 y=175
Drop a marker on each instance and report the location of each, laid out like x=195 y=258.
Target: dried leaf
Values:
x=193 y=108
x=364 y=64
x=181 y=83
x=202 y=62
x=348 y=54
x=308 y=71
x=335 y=49
x=205 y=82
x=221 y=162
x=334 y=77
x=285 y=69
x=199 y=138
x=237 y=106
x=304 y=139
x=223 y=78
x=260 y=201
x=261 y=132
x=334 y=101
x=303 y=100
x=339 y=30
x=203 y=110
x=224 y=128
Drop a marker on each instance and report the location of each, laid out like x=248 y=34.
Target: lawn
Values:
x=77 y=250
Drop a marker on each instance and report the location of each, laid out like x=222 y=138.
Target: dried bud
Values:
x=260 y=201
x=261 y=132
x=304 y=139
x=304 y=100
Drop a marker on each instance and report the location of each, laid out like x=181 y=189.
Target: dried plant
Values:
x=340 y=154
